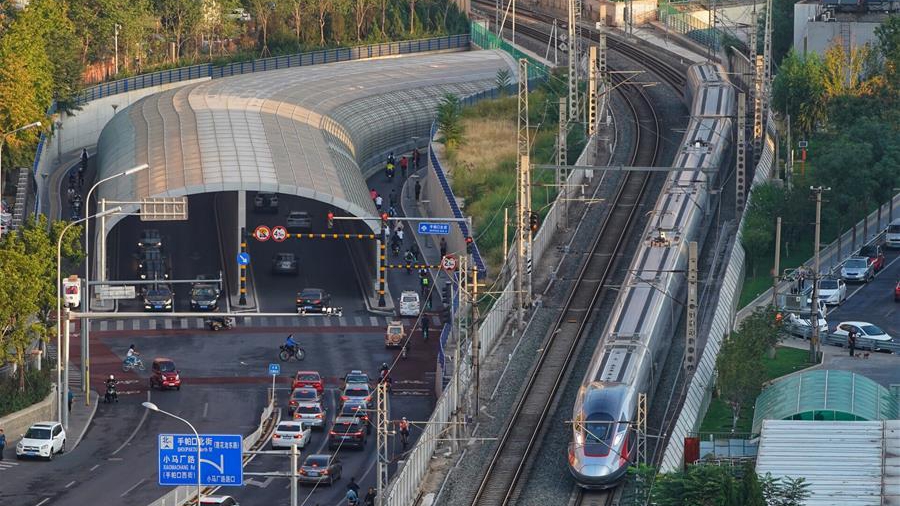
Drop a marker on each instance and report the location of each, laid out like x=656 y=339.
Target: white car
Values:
x=832 y=291
x=864 y=330
x=800 y=324
x=409 y=304
x=288 y=434
x=43 y=439
x=312 y=414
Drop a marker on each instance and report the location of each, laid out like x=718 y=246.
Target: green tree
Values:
x=448 y=120
x=740 y=373
x=751 y=488
x=48 y=21
x=20 y=301
x=798 y=90
x=785 y=491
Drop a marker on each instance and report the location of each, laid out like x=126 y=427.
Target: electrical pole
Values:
x=573 y=61
x=116 y=43
x=293 y=471
x=382 y=439
x=641 y=428
x=562 y=158
x=523 y=201
x=814 y=317
x=740 y=186
x=476 y=342
x=690 y=335
x=767 y=63
x=776 y=273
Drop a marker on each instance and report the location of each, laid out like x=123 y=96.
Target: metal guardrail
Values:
x=832 y=339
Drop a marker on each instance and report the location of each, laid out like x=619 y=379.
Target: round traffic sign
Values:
x=448 y=263
x=262 y=233
x=279 y=233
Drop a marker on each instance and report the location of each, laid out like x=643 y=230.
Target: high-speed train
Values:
x=637 y=335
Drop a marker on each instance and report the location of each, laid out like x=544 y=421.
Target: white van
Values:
x=892 y=236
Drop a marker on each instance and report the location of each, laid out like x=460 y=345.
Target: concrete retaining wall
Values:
x=15 y=424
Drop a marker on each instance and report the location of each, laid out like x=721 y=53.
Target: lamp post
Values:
x=154 y=407
x=3 y=137
x=62 y=392
x=85 y=330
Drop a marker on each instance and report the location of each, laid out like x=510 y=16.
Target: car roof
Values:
x=45 y=425
x=304 y=389
x=347 y=419
x=309 y=404
x=312 y=290
x=163 y=359
x=857 y=258
x=291 y=423
x=355 y=386
x=858 y=324
x=284 y=254
x=216 y=499
x=309 y=372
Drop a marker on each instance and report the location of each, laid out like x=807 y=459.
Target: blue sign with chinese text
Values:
x=426 y=228
x=220 y=460
x=274 y=369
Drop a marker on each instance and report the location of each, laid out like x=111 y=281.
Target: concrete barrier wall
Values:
x=701 y=383
x=15 y=424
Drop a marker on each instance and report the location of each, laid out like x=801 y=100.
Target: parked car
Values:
x=832 y=291
x=284 y=263
x=798 y=323
x=892 y=235
x=290 y=433
x=299 y=221
x=158 y=298
x=163 y=374
x=150 y=238
x=857 y=269
x=864 y=330
x=875 y=255
x=309 y=379
x=313 y=300
x=43 y=439
x=265 y=202
x=897 y=292
x=409 y=303
x=355 y=376
x=204 y=297
x=357 y=392
x=356 y=409
x=347 y=431
x=320 y=469
x=310 y=413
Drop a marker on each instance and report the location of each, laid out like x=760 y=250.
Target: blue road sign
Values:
x=243 y=259
x=274 y=369
x=220 y=460
x=426 y=228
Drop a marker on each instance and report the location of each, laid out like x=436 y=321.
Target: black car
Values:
x=204 y=297
x=320 y=469
x=313 y=300
x=265 y=202
x=152 y=264
x=158 y=298
x=346 y=432
x=355 y=409
x=284 y=263
x=299 y=221
x=150 y=238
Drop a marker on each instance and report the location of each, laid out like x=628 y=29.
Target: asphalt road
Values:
x=873 y=302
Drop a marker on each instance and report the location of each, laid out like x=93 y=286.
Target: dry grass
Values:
x=486 y=143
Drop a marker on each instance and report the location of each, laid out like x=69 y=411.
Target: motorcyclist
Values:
x=111 y=389
x=352 y=492
x=131 y=356
x=290 y=344
x=410 y=259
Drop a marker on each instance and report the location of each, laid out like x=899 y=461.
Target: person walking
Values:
x=418 y=190
x=404 y=165
x=71 y=400
x=851 y=341
x=443 y=247
x=404 y=432
x=392 y=198
x=425 y=327
x=415 y=159
x=373 y=193
x=2 y=443
x=378 y=202
x=370 y=497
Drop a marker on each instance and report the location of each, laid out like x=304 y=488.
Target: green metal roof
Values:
x=824 y=395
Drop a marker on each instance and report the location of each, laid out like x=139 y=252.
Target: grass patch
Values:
x=718 y=416
x=762 y=281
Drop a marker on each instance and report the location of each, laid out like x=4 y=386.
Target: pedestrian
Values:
x=399 y=235
x=392 y=198
x=386 y=232
x=71 y=400
x=443 y=247
x=353 y=486
x=378 y=201
x=370 y=497
x=801 y=280
x=851 y=341
x=425 y=327
x=418 y=190
x=415 y=159
x=404 y=164
x=392 y=211
x=2 y=443
x=373 y=193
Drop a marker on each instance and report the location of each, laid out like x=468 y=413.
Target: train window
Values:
x=599 y=428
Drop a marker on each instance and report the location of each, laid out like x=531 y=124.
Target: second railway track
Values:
x=520 y=438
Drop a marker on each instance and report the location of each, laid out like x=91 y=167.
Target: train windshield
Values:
x=598 y=433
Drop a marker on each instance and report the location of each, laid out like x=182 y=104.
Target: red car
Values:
x=897 y=292
x=875 y=255
x=309 y=379
x=164 y=375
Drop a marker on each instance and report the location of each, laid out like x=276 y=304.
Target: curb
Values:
x=95 y=398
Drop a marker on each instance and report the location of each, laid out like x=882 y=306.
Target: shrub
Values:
x=37 y=387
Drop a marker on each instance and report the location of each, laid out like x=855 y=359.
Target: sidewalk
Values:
x=80 y=418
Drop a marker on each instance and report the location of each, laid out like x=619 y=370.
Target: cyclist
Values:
x=131 y=356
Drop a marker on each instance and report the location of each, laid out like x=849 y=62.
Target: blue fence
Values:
x=273 y=63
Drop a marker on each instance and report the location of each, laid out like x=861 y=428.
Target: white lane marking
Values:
x=205 y=409
x=70 y=483
x=136 y=485
x=136 y=429
x=42 y=502
x=95 y=467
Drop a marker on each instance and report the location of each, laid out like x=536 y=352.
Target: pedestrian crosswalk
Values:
x=6 y=464
x=249 y=321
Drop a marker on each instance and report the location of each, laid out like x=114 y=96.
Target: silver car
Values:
x=857 y=269
x=312 y=414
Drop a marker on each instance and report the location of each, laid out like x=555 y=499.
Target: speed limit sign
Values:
x=279 y=233
x=448 y=263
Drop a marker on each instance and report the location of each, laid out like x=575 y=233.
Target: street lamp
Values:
x=87 y=273
x=3 y=137
x=63 y=388
x=153 y=407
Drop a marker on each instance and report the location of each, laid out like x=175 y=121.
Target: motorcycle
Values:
x=111 y=394
x=286 y=352
x=215 y=324
x=132 y=363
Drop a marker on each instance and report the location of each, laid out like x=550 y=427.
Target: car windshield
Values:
x=308 y=377
x=868 y=251
x=316 y=461
x=158 y=294
x=856 y=264
x=204 y=293
x=287 y=428
x=167 y=366
x=598 y=428
x=311 y=294
x=409 y=298
x=357 y=378
x=308 y=410
x=304 y=393
x=828 y=284
x=894 y=229
x=871 y=330
x=35 y=433
x=356 y=392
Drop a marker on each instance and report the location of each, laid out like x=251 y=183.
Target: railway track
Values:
x=520 y=438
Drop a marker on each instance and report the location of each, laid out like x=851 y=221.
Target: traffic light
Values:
x=470 y=245
x=384 y=219
x=330 y=217
x=534 y=221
